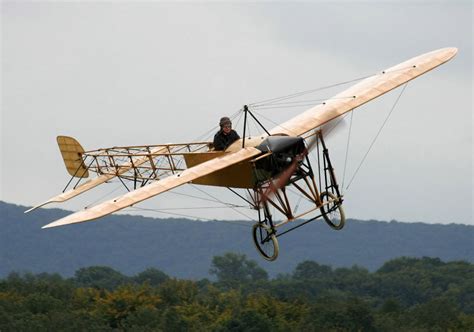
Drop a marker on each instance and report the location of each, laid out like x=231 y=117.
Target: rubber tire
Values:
x=339 y=208
x=274 y=241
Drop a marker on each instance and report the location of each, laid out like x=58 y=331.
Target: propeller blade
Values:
x=328 y=130
x=284 y=176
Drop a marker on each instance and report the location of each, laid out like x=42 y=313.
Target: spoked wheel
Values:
x=265 y=241
x=333 y=213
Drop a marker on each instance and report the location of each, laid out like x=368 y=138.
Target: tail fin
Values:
x=72 y=153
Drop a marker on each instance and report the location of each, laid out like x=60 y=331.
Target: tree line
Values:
x=416 y=294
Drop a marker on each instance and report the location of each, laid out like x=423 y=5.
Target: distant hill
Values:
x=185 y=248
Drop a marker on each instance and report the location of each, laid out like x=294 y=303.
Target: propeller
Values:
x=328 y=130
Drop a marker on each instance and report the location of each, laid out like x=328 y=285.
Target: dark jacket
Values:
x=222 y=141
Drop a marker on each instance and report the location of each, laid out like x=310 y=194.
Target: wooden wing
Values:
x=364 y=91
x=157 y=187
x=92 y=183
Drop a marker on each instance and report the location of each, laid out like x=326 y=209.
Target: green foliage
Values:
x=233 y=269
x=406 y=294
x=334 y=315
x=248 y=320
x=311 y=270
x=151 y=276
x=101 y=277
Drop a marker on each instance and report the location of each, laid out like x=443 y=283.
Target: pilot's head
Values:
x=226 y=124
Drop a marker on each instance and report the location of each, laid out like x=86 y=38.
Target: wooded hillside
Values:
x=185 y=248
x=405 y=294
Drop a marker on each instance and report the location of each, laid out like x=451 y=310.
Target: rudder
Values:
x=72 y=152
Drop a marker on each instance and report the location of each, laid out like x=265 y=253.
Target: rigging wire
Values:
x=277 y=102
x=235 y=210
x=200 y=208
x=295 y=210
x=297 y=94
x=271 y=121
x=103 y=196
x=305 y=101
x=347 y=151
x=377 y=135
x=170 y=213
x=210 y=131
x=232 y=222
x=190 y=216
x=202 y=198
x=287 y=106
x=248 y=128
x=215 y=200
x=238 y=120
x=340 y=120
x=298 y=103
x=257 y=129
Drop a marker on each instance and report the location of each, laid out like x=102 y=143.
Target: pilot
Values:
x=225 y=136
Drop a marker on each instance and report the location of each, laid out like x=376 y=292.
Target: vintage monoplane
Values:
x=264 y=166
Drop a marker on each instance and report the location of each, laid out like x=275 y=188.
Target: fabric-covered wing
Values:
x=92 y=183
x=363 y=92
x=157 y=187
x=74 y=192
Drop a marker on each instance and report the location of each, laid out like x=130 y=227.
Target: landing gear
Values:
x=264 y=233
x=282 y=178
x=270 y=193
x=332 y=210
x=265 y=241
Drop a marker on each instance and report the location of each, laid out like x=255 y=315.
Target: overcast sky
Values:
x=148 y=73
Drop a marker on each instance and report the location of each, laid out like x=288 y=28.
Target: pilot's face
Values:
x=227 y=128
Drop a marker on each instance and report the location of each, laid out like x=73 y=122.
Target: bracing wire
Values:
x=103 y=196
x=235 y=210
x=232 y=222
x=204 y=199
x=224 y=205
x=169 y=213
x=287 y=106
x=300 y=103
x=297 y=94
x=339 y=121
x=257 y=129
x=200 y=208
x=377 y=135
x=305 y=101
x=271 y=121
x=238 y=120
x=347 y=150
x=248 y=129
x=213 y=129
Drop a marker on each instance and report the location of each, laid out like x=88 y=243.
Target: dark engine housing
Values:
x=284 y=149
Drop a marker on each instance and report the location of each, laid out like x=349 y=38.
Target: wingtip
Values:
x=37 y=206
x=448 y=52
x=52 y=225
x=57 y=223
x=452 y=50
x=74 y=218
